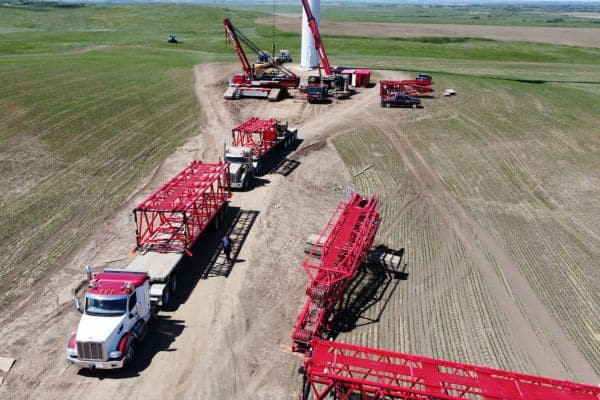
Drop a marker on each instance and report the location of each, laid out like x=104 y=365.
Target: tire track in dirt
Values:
x=525 y=311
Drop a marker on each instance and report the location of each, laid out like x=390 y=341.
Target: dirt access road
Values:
x=587 y=37
x=228 y=333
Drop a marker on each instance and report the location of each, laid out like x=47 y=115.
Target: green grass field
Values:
x=92 y=99
x=543 y=15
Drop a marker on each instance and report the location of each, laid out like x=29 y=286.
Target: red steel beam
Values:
x=343 y=245
x=357 y=372
x=258 y=134
x=172 y=218
x=413 y=88
x=312 y=24
x=231 y=36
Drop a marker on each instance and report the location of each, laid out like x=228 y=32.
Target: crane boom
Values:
x=312 y=24
x=349 y=371
x=231 y=35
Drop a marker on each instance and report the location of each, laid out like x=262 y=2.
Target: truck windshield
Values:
x=234 y=160
x=105 y=307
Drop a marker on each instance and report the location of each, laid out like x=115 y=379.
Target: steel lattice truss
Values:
x=173 y=217
x=259 y=134
x=410 y=87
x=231 y=36
x=355 y=372
x=332 y=263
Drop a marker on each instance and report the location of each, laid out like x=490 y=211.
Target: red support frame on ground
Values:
x=357 y=372
x=259 y=134
x=343 y=245
x=172 y=218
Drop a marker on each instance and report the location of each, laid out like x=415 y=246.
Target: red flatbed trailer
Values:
x=346 y=240
x=172 y=218
x=354 y=372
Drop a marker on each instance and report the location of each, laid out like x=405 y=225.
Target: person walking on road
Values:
x=227 y=243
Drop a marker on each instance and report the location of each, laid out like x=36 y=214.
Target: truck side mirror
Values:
x=77 y=304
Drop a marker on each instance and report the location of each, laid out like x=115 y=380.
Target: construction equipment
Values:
x=270 y=82
x=332 y=263
x=316 y=94
x=119 y=304
x=346 y=371
x=399 y=100
x=172 y=218
x=172 y=39
x=425 y=78
x=285 y=56
x=410 y=87
x=252 y=141
x=338 y=87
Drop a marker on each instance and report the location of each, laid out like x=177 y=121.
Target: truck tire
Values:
x=166 y=296
x=129 y=351
x=173 y=282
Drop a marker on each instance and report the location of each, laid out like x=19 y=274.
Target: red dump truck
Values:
x=119 y=303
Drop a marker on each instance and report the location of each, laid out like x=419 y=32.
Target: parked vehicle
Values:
x=399 y=100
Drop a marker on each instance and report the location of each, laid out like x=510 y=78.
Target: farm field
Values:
x=570 y=36
x=547 y=14
x=492 y=195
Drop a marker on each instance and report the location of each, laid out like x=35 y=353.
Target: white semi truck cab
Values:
x=116 y=314
x=243 y=166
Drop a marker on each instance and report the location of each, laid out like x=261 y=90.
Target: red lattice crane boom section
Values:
x=355 y=372
x=410 y=87
x=231 y=36
x=343 y=245
x=172 y=218
x=258 y=134
x=314 y=29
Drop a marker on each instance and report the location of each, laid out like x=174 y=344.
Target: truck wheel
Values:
x=166 y=297
x=129 y=351
x=173 y=283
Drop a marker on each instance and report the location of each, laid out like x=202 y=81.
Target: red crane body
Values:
x=343 y=245
x=172 y=218
x=357 y=372
x=312 y=23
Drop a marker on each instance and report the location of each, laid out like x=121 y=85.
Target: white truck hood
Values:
x=234 y=168
x=98 y=329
